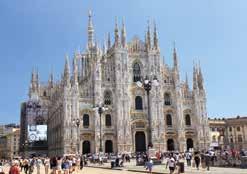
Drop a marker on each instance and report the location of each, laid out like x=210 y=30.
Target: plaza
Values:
x=158 y=169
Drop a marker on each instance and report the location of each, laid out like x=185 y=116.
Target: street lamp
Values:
x=100 y=110
x=77 y=122
x=147 y=85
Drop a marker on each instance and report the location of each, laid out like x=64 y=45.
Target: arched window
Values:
x=167 y=99
x=136 y=72
x=107 y=120
x=168 y=120
x=85 y=120
x=138 y=103
x=230 y=129
x=107 y=98
x=240 y=139
x=187 y=120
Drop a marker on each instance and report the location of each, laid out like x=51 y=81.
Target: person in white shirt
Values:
x=38 y=165
x=171 y=163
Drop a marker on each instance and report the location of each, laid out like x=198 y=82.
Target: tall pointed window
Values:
x=108 y=120
x=168 y=120
x=107 y=98
x=138 y=103
x=187 y=120
x=85 y=120
x=167 y=99
x=136 y=72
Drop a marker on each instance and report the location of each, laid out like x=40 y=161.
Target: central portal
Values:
x=140 y=142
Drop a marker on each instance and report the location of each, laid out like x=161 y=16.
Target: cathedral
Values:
x=167 y=116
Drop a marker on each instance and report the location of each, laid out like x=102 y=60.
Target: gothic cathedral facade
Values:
x=108 y=77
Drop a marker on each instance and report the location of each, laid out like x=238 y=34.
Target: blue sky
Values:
x=38 y=34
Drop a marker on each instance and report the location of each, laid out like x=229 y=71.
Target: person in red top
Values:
x=14 y=169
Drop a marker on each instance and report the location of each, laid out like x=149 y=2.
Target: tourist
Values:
x=25 y=165
x=14 y=169
x=53 y=165
x=197 y=160
x=65 y=166
x=149 y=165
x=171 y=162
x=59 y=165
x=1 y=168
x=31 y=165
x=207 y=160
x=46 y=165
x=188 y=158
x=81 y=163
x=38 y=165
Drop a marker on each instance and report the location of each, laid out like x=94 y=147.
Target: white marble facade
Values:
x=107 y=76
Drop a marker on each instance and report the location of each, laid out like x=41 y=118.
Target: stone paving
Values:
x=162 y=169
x=132 y=169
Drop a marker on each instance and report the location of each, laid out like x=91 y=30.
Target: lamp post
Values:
x=147 y=85
x=77 y=123
x=100 y=110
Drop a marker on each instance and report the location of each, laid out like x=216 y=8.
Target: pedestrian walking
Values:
x=171 y=163
x=14 y=169
x=46 y=165
x=38 y=165
x=207 y=160
x=149 y=165
x=197 y=160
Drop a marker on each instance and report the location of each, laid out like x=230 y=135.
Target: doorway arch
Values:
x=189 y=143
x=140 y=141
x=170 y=145
x=108 y=146
x=86 y=147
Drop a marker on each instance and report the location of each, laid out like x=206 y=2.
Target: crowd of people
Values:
x=73 y=163
x=54 y=165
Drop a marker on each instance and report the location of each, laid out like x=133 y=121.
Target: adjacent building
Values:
x=228 y=133
x=9 y=142
x=33 y=122
x=112 y=77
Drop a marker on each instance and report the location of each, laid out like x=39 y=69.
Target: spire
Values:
x=90 y=30
x=175 y=58
x=200 y=77
x=195 y=84
x=123 y=35
x=148 y=38
x=186 y=80
x=37 y=80
x=109 y=41
x=75 y=72
x=50 y=82
x=66 y=74
x=33 y=84
x=155 y=40
x=104 y=47
x=116 y=44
